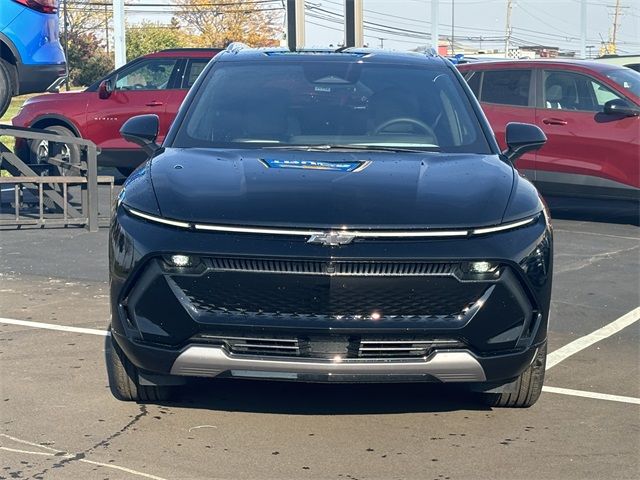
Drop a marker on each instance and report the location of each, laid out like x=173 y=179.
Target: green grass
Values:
x=11 y=112
x=14 y=106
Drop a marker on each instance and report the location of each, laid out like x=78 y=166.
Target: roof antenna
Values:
x=295 y=24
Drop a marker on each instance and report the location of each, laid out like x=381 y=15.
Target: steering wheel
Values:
x=426 y=128
x=138 y=86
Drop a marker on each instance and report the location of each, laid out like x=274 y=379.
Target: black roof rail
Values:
x=191 y=49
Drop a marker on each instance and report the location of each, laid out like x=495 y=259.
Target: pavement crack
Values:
x=579 y=265
x=105 y=443
x=69 y=457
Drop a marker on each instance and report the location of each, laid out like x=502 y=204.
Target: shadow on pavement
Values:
x=623 y=213
x=292 y=398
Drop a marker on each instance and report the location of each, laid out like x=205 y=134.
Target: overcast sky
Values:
x=402 y=24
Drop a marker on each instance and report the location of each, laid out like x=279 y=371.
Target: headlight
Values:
x=536 y=264
x=179 y=260
x=479 y=270
x=482 y=267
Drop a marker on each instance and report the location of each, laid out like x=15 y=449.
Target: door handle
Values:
x=554 y=121
x=154 y=104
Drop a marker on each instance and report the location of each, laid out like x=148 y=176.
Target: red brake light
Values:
x=44 y=6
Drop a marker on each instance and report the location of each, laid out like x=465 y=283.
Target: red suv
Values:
x=589 y=112
x=155 y=83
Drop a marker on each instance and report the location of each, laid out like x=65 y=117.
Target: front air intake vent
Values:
x=257 y=346
x=403 y=348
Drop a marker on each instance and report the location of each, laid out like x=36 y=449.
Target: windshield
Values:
x=320 y=103
x=628 y=79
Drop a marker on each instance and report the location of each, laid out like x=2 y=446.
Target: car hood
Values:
x=315 y=189
x=53 y=97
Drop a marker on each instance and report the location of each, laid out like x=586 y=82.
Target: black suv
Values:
x=330 y=216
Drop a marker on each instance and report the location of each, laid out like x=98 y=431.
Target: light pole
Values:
x=119 y=39
x=65 y=21
x=453 y=25
x=435 y=14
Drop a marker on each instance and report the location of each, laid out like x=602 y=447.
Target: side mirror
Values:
x=522 y=138
x=618 y=106
x=105 y=89
x=142 y=130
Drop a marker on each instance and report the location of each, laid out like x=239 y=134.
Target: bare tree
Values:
x=218 y=23
x=84 y=16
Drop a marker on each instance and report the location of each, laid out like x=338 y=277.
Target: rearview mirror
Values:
x=105 y=89
x=522 y=138
x=142 y=130
x=618 y=106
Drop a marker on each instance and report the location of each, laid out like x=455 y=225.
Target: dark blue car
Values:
x=31 y=57
x=329 y=216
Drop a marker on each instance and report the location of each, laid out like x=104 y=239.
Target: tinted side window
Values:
x=193 y=71
x=473 y=79
x=147 y=75
x=506 y=87
x=573 y=91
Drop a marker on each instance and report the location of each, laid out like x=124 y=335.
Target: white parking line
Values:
x=581 y=343
x=52 y=326
x=599 y=396
x=59 y=454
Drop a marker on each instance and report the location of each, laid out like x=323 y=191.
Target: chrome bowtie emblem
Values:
x=331 y=239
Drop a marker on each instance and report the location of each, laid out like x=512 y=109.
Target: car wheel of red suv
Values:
x=39 y=151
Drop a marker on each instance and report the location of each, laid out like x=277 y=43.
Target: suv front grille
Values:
x=335 y=296
x=352 y=290
x=313 y=267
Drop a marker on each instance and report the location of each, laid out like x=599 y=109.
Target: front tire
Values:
x=123 y=378
x=528 y=385
x=39 y=150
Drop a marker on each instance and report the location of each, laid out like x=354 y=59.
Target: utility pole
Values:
x=507 y=38
x=119 y=38
x=583 y=28
x=616 y=16
x=353 y=23
x=435 y=19
x=295 y=24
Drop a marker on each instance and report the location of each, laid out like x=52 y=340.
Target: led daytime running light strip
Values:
x=354 y=233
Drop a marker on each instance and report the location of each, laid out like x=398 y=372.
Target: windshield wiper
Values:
x=370 y=148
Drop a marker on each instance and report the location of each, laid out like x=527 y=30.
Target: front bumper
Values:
x=247 y=310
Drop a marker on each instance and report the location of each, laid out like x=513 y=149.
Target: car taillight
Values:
x=44 y=6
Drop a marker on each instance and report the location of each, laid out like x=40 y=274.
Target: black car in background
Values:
x=330 y=216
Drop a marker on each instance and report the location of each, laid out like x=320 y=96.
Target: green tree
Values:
x=149 y=37
x=87 y=59
x=87 y=27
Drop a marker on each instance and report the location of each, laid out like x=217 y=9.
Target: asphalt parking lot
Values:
x=60 y=421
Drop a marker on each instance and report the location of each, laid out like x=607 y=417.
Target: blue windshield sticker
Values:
x=316 y=165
